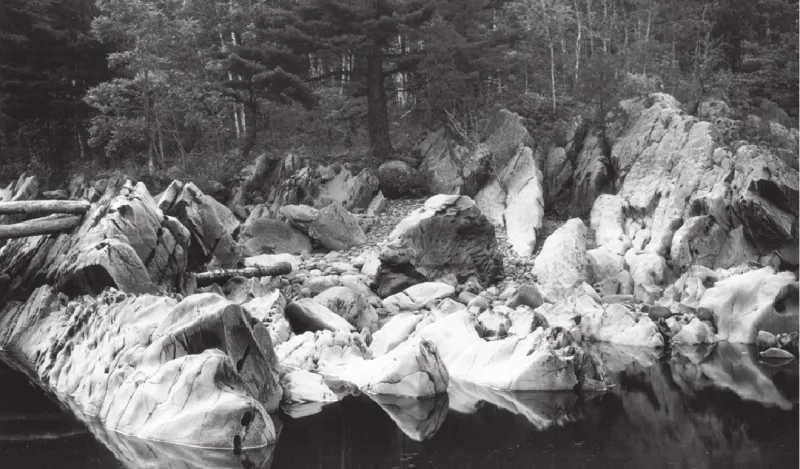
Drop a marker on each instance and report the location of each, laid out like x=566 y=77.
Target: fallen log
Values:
x=46 y=207
x=40 y=226
x=223 y=275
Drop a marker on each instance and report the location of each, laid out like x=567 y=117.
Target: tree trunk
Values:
x=251 y=126
x=40 y=226
x=577 y=45
x=217 y=276
x=377 y=113
x=552 y=69
x=150 y=164
x=40 y=207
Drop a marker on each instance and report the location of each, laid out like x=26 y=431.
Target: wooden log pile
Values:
x=61 y=215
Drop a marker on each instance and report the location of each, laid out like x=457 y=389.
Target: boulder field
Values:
x=468 y=295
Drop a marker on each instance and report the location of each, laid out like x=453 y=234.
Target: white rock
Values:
x=563 y=260
x=417 y=297
x=618 y=325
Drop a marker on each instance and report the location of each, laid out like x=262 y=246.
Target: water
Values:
x=697 y=408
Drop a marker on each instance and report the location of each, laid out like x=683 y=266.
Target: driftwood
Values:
x=223 y=275
x=40 y=226
x=44 y=207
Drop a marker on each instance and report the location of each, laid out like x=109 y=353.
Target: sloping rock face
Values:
x=513 y=198
x=193 y=373
x=455 y=169
x=212 y=225
x=563 y=260
x=448 y=235
x=336 y=228
x=125 y=242
x=270 y=236
x=350 y=191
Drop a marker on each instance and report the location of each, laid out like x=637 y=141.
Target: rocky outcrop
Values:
x=271 y=236
x=563 y=260
x=125 y=241
x=513 y=198
x=213 y=226
x=195 y=372
x=448 y=235
x=336 y=228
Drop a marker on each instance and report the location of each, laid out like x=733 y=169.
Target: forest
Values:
x=195 y=88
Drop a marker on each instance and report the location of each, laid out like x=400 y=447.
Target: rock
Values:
x=270 y=236
x=270 y=259
x=472 y=285
x=299 y=216
x=317 y=285
x=412 y=369
x=349 y=191
x=611 y=299
x=513 y=198
x=353 y=307
x=135 y=361
x=495 y=324
x=776 y=353
x=766 y=340
x=449 y=168
x=513 y=363
x=371 y=265
x=605 y=264
x=617 y=324
x=713 y=108
x=562 y=261
x=527 y=295
x=478 y=305
x=607 y=287
x=308 y=315
x=397 y=179
x=625 y=283
x=211 y=224
x=377 y=205
x=417 y=297
x=743 y=302
x=336 y=228
x=658 y=312
x=696 y=332
x=394 y=332
x=465 y=297
x=449 y=279
x=447 y=235
x=60 y=194
x=608 y=218
x=301 y=386
x=524 y=321
x=649 y=273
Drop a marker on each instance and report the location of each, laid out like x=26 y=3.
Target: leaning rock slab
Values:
x=449 y=234
x=563 y=261
x=308 y=315
x=336 y=228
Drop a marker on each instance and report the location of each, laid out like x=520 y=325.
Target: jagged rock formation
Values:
x=199 y=372
x=449 y=235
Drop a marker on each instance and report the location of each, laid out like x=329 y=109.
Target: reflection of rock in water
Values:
x=541 y=408
x=137 y=453
x=420 y=419
x=704 y=407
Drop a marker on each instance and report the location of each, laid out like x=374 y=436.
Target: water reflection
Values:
x=699 y=407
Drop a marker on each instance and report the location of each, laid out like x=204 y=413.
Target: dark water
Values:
x=695 y=408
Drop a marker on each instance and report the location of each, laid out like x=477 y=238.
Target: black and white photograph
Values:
x=399 y=234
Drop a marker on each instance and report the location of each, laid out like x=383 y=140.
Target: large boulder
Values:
x=348 y=190
x=271 y=236
x=308 y=315
x=448 y=235
x=617 y=324
x=397 y=179
x=513 y=198
x=348 y=304
x=514 y=363
x=336 y=228
x=125 y=242
x=212 y=225
x=418 y=297
x=194 y=373
x=563 y=260
x=751 y=301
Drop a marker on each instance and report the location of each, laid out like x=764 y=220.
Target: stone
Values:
x=607 y=218
x=299 y=216
x=211 y=224
x=766 y=340
x=617 y=324
x=742 y=303
x=302 y=386
x=264 y=260
x=347 y=190
x=394 y=332
x=513 y=363
x=308 y=315
x=417 y=297
x=649 y=273
x=447 y=235
x=513 y=197
x=377 y=205
x=317 y=285
x=562 y=261
x=193 y=373
x=353 y=307
x=527 y=295
x=465 y=297
x=658 y=312
x=495 y=323
x=478 y=305
x=336 y=228
x=397 y=178
x=270 y=236
x=695 y=332
x=605 y=264
x=776 y=353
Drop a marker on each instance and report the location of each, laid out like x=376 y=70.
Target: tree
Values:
x=366 y=31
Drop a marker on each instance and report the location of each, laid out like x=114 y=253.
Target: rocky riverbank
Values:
x=697 y=244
